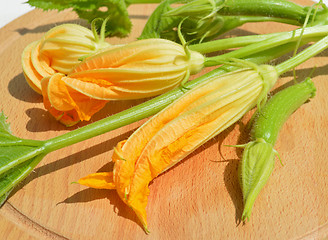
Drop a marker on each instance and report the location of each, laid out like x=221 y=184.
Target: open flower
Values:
x=140 y=69
x=176 y=131
x=59 y=50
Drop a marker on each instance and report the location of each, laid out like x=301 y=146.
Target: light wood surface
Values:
x=199 y=198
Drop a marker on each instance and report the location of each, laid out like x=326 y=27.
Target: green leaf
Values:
x=4 y=126
x=18 y=157
x=15 y=150
x=158 y=26
x=13 y=153
x=51 y=4
x=12 y=178
x=4 y=197
x=5 y=133
x=119 y=24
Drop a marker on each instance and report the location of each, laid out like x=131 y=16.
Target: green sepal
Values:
x=255 y=169
x=159 y=26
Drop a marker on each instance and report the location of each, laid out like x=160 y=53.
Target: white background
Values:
x=11 y=9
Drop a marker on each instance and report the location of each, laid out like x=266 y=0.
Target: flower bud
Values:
x=140 y=69
x=201 y=18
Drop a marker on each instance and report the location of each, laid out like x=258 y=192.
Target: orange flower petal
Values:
x=58 y=94
x=65 y=104
x=103 y=180
x=32 y=77
x=41 y=62
x=68 y=118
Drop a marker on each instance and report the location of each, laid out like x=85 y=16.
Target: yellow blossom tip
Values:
x=101 y=180
x=146 y=229
x=119 y=154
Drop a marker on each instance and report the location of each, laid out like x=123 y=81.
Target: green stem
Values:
x=232 y=22
x=236 y=42
x=303 y=56
x=277 y=8
x=283 y=38
x=228 y=43
x=103 y=30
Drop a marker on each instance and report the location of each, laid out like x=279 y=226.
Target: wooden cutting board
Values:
x=198 y=199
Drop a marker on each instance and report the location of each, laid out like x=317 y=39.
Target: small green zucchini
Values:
x=259 y=155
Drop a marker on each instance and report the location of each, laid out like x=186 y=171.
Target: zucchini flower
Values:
x=140 y=69
x=177 y=130
x=143 y=68
x=59 y=50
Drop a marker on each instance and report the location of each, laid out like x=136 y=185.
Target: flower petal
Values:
x=102 y=180
x=64 y=102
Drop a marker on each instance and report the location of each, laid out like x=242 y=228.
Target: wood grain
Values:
x=197 y=199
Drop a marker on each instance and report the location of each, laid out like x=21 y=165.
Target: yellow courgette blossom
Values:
x=140 y=69
x=177 y=130
x=143 y=68
x=59 y=50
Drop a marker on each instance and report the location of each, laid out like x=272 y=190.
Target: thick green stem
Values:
x=228 y=43
x=278 y=8
x=283 y=38
x=303 y=56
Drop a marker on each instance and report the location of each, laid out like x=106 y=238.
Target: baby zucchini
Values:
x=258 y=157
